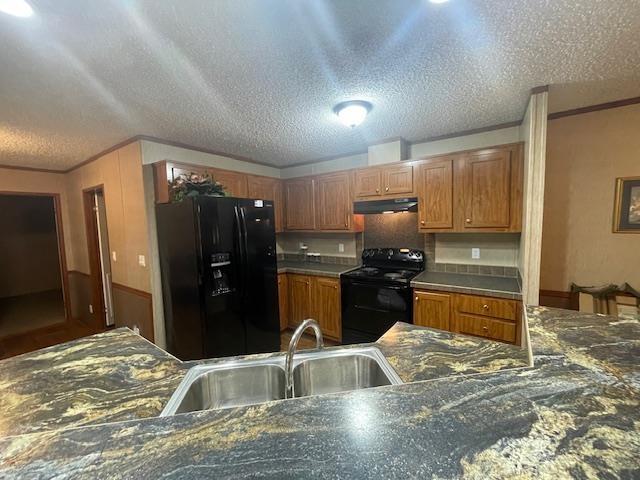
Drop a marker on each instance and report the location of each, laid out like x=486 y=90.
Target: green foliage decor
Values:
x=192 y=185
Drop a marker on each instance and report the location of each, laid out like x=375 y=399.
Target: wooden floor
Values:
x=43 y=337
x=24 y=313
x=307 y=341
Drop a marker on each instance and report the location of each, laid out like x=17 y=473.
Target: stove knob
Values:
x=390 y=252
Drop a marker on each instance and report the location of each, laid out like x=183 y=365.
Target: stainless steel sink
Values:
x=250 y=382
x=340 y=373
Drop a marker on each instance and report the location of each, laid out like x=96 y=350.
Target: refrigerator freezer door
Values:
x=224 y=328
x=260 y=288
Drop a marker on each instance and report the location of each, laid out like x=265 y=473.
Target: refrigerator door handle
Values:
x=242 y=258
x=245 y=262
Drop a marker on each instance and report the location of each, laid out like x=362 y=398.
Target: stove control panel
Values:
x=393 y=254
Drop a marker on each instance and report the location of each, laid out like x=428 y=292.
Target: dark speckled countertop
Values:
x=500 y=287
x=314 y=268
x=574 y=414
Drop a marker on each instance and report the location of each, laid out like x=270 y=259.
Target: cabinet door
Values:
x=397 y=179
x=299 y=299
x=299 y=204
x=367 y=182
x=432 y=310
x=268 y=189
x=234 y=183
x=486 y=192
x=326 y=306
x=333 y=202
x=283 y=300
x=435 y=193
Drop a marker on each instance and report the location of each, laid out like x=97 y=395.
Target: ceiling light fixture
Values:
x=17 y=8
x=438 y=1
x=353 y=112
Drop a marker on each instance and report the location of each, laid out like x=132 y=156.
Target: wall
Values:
x=325 y=243
x=496 y=249
x=466 y=142
x=153 y=152
x=534 y=133
x=399 y=230
x=336 y=164
x=585 y=154
x=29 y=259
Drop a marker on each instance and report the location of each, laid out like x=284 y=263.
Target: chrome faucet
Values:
x=293 y=344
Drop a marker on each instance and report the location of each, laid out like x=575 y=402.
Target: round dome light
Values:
x=353 y=112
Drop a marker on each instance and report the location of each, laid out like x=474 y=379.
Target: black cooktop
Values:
x=398 y=265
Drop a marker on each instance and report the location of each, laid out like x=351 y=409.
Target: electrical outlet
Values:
x=341 y=247
x=136 y=330
x=142 y=261
x=114 y=256
x=475 y=253
x=90 y=308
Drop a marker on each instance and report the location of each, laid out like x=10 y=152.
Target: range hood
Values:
x=391 y=205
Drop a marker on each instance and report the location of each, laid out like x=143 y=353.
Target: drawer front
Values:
x=490 y=307
x=491 y=328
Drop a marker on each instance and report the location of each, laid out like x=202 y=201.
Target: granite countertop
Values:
x=314 y=268
x=575 y=413
x=108 y=377
x=500 y=287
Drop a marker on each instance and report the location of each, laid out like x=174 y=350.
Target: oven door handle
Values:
x=371 y=285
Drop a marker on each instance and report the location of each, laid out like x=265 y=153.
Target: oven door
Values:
x=369 y=310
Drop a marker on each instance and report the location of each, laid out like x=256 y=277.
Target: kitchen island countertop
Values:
x=576 y=412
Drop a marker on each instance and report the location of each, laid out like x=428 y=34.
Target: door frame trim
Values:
x=95 y=269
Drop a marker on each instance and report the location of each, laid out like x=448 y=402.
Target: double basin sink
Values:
x=249 y=382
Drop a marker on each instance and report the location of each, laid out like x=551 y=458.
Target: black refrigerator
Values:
x=219 y=276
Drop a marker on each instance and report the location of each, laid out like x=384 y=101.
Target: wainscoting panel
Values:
x=133 y=308
x=80 y=296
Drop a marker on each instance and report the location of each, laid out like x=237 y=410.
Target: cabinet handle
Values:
x=468 y=220
x=335 y=287
x=377 y=190
x=386 y=189
x=485 y=306
x=417 y=299
x=486 y=329
x=422 y=222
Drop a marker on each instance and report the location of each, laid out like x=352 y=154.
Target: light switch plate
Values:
x=475 y=253
x=90 y=308
x=114 y=256
x=341 y=247
x=142 y=261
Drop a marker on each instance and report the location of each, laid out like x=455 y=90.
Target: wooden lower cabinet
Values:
x=299 y=287
x=318 y=298
x=283 y=300
x=327 y=306
x=432 y=309
x=487 y=317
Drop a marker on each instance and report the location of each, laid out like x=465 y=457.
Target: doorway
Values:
x=33 y=288
x=95 y=210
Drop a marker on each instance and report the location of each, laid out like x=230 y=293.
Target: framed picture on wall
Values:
x=626 y=215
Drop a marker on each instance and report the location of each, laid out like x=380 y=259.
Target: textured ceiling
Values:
x=259 y=78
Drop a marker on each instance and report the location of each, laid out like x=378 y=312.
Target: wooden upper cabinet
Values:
x=268 y=188
x=432 y=310
x=333 y=202
x=397 y=179
x=234 y=183
x=382 y=181
x=486 y=189
x=435 y=194
x=299 y=200
x=327 y=306
x=367 y=182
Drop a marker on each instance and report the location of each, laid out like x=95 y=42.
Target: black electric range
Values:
x=378 y=294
